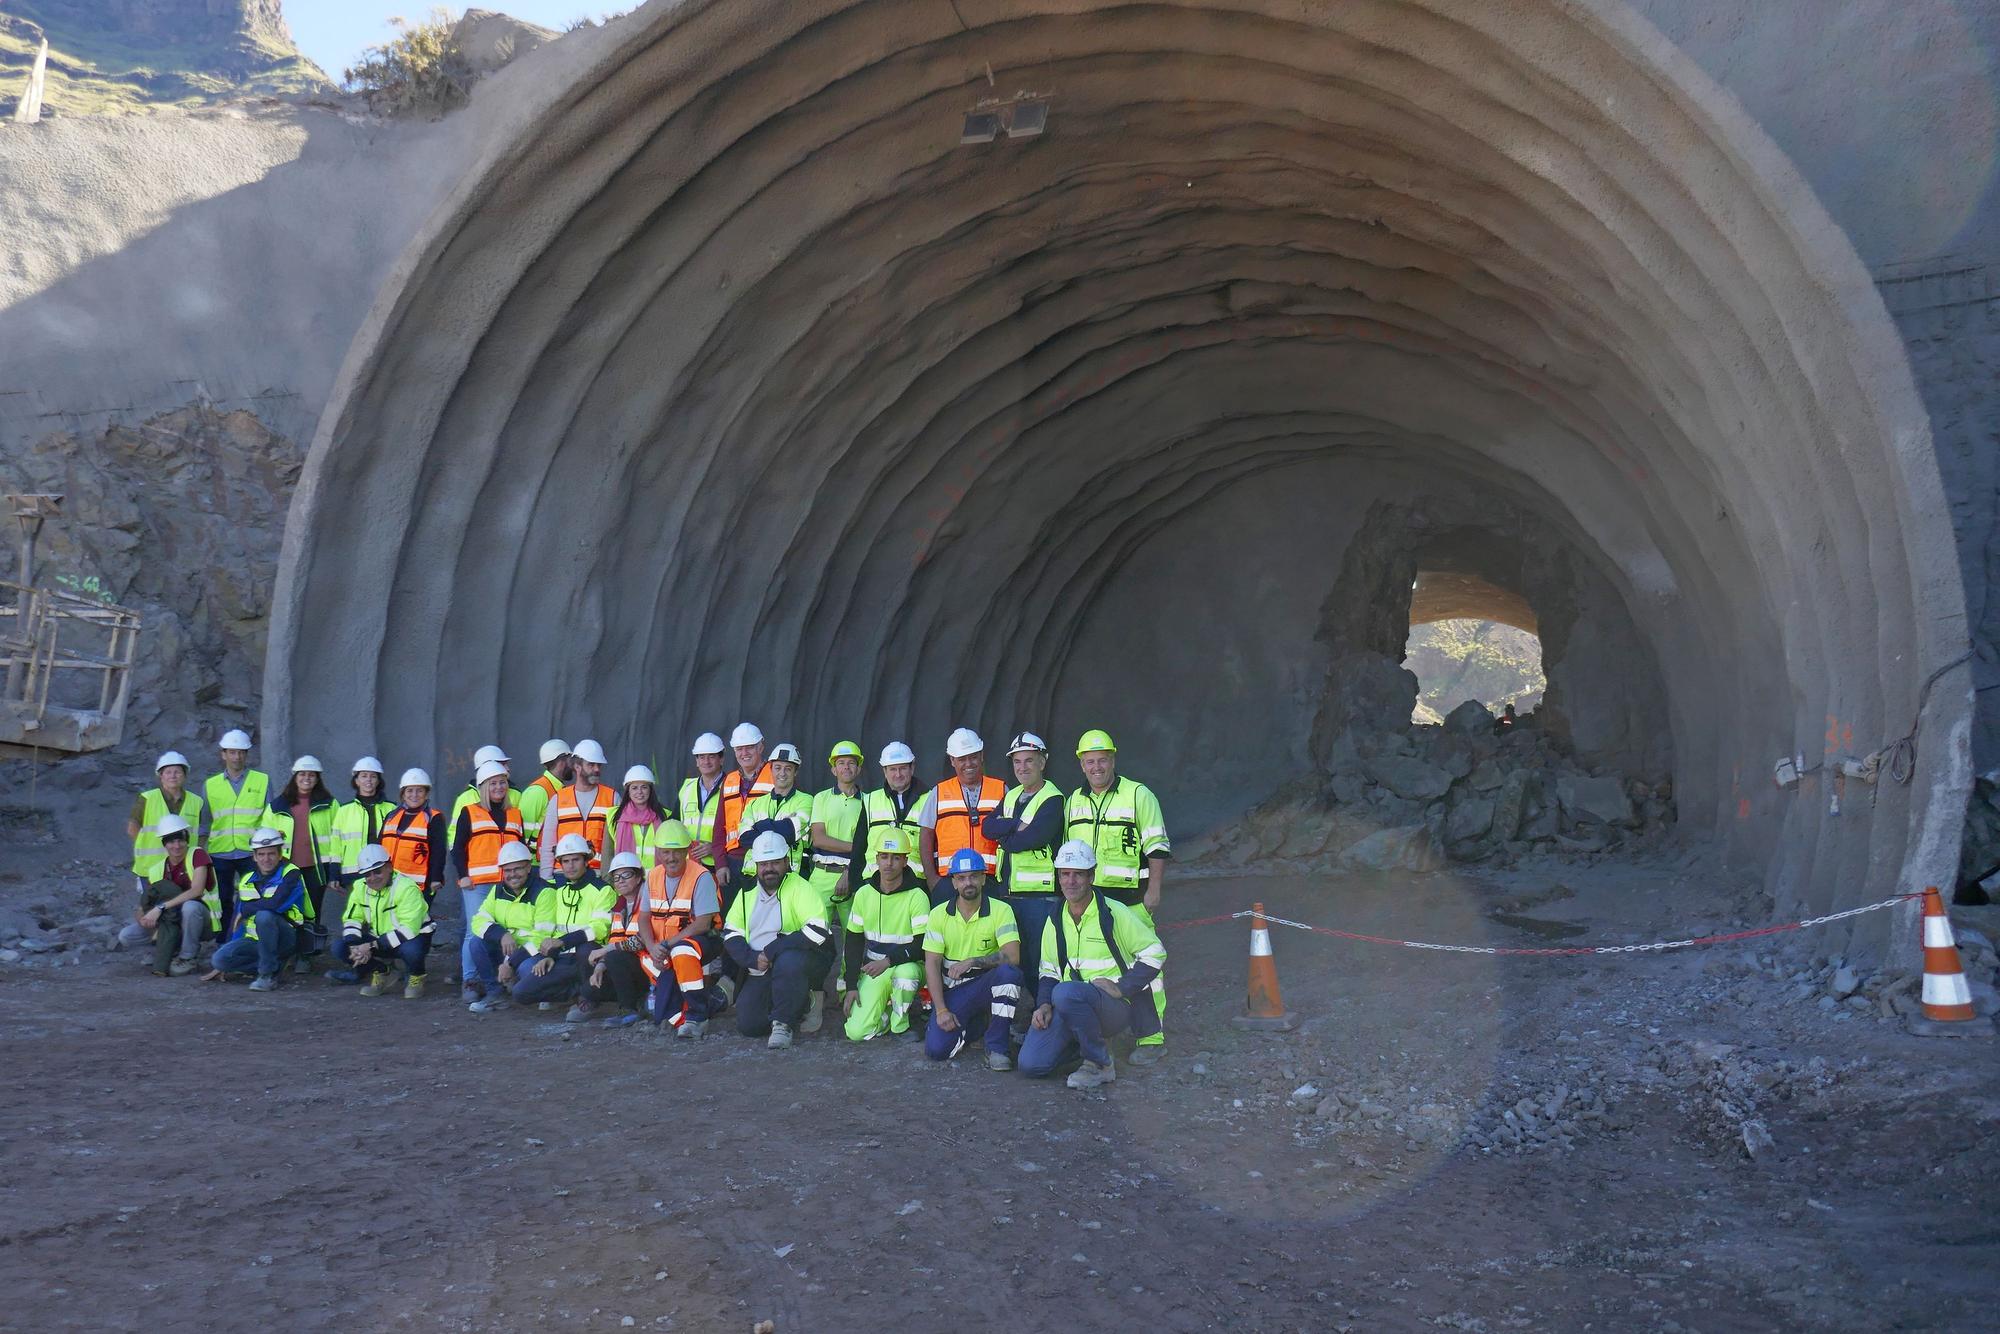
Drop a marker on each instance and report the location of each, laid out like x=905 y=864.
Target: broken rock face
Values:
x=1402 y=797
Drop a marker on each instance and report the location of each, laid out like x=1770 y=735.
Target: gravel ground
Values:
x=1682 y=1142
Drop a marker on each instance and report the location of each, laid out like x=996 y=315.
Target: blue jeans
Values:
x=1084 y=1017
x=983 y=1006
x=479 y=961
x=1033 y=912
x=276 y=941
x=472 y=900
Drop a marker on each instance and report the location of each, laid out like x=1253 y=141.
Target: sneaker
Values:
x=471 y=992
x=693 y=1028
x=302 y=964
x=490 y=1004
x=625 y=1020
x=999 y=1060
x=264 y=982
x=545 y=1005
x=414 y=988
x=579 y=1013
x=181 y=967
x=345 y=977
x=781 y=1037
x=1147 y=1054
x=814 y=1007
x=1091 y=1075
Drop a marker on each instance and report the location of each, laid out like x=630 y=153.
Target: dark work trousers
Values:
x=559 y=983
x=984 y=1007
x=625 y=982
x=780 y=995
x=412 y=954
x=227 y=871
x=1032 y=912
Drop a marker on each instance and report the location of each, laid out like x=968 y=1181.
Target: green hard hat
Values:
x=847 y=748
x=673 y=834
x=1095 y=739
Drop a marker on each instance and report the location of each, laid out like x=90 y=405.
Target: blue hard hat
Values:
x=965 y=859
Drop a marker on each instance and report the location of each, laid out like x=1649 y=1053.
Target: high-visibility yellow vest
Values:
x=149 y=856
x=234 y=815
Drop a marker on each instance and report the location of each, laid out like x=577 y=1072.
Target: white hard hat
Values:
x=554 y=749
x=1026 y=741
x=413 y=778
x=625 y=861
x=639 y=773
x=488 y=755
x=962 y=742
x=770 y=847
x=589 y=752
x=367 y=764
x=171 y=825
x=746 y=734
x=267 y=838
x=785 y=753
x=234 y=739
x=489 y=769
x=514 y=851
x=372 y=856
x=570 y=845
x=897 y=753
x=708 y=743
x=307 y=764
x=171 y=757
x=1076 y=855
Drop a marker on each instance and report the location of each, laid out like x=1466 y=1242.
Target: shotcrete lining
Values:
x=723 y=341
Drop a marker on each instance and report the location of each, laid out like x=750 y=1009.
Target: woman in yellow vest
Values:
x=142 y=826
x=303 y=812
x=358 y=823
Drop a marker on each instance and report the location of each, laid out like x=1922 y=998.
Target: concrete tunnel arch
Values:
x=727 y=383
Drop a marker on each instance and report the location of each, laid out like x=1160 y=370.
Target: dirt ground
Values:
x=181 y=1155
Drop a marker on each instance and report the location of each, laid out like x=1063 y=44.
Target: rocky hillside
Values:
x=110 y=56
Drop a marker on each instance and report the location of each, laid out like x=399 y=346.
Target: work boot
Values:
x=180 y=967
x=378 y=983
x=545 y=1005
x=414 y=988
x=1091 y=1075
x=264 y=982
x=813 y=1013
x=999 y=1060
x=781 y=1037
x=693 y=1028
x=579 y=1013
x=302 y=964
x=1147 y=1054
x=491 y=1003
x=472 y=991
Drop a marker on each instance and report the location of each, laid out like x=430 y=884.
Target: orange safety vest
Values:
x=482 y=849
x=734 y=799
x=573 y=819
x=956 y=827
x=673 y=909
x=406 y=837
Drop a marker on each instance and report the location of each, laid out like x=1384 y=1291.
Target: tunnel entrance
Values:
x=737 y=375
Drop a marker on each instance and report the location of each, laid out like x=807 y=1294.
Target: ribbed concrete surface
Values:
x=729 y=384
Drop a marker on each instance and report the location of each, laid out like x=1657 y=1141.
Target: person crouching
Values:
x=386 y=922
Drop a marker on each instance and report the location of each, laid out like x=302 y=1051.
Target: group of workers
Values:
x=937 y=913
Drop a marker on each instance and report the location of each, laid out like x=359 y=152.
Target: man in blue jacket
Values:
x=269 y=910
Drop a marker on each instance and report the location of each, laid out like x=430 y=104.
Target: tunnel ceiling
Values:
x=732 y=384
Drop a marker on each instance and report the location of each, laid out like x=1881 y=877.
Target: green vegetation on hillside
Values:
x=1460 y=660
x=96 y=68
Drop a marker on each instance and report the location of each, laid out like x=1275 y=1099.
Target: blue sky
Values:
x=332 y=32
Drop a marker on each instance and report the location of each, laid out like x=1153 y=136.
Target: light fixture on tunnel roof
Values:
x=1023 y=116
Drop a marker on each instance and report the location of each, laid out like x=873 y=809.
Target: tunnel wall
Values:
x=734 y=387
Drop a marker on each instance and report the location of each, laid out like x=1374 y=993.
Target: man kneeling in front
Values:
x=1098 y=957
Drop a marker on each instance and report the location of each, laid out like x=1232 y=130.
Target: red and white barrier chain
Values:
x=1651 y=947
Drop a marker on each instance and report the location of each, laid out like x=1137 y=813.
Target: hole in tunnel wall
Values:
x=1460 y=660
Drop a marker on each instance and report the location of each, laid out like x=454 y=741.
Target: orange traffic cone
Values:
x=1947 y=999
x=1266 y=1010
